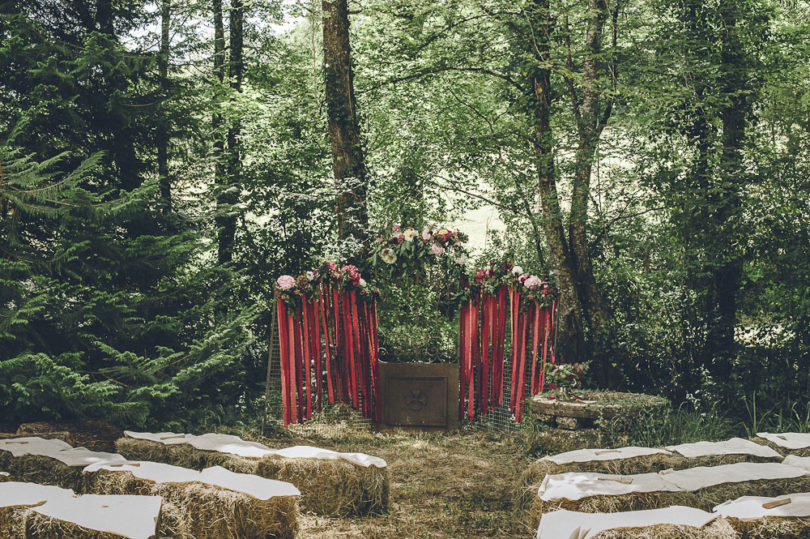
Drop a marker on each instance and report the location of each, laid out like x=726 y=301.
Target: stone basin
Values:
x=591 y=407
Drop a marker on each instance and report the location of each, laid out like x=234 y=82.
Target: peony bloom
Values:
x=388 y=256
x=436 y=249
x=427 y=235
x=285 y=282
x=410 y=234
x=362 y=283
x=533 y=281
x=517 y=270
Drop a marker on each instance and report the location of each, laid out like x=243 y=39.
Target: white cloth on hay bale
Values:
x=706 y=476
x=227 y=443
x=216 y=476
x=564 y=524
x=734 y=446
x=128 y=516
x=788 y=440
x=578 y=485
x=57 y=449
x=750 y=507
x=590 y=455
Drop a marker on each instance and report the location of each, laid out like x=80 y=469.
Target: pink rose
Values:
x=436 y=249
x=285 y=282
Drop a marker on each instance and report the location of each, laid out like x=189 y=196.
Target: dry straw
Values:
x=718 y=529
x=705 y=498
x=531 y=479
x=328 y=486
x=770 y=527
x=42 y=469
x=203 y=511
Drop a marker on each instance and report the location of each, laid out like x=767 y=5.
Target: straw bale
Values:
x=718 y=529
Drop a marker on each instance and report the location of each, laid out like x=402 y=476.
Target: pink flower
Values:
x=481 y=275
x=524 y=277
x=436 y=249
x=395 y=228
x=533 y=281
x=426 y=235
x=285 y=282
x=332 y=266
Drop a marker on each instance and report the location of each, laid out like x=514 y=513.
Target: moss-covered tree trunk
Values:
x=162 y=134
x=348 y=161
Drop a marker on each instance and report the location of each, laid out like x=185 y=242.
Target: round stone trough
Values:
x=582 y=409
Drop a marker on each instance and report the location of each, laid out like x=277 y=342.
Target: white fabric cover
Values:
x=578 y=485
x=734 y=446
x=57 y=449
x=590 y=455
x=565 y=524
x=14 y=494
x=129 y=516
x=707 y=476
x=799 y=462
x=226 y=443
x=788 y=440
x=750 y=507
x=252 y=485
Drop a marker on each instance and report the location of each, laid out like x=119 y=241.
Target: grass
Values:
x=442 y=485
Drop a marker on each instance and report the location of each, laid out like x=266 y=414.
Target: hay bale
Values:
x=331 y=487
x=787 y=515
x=209 y=504
x=4 y=476
x=692 y=488
x=331 y=483
x=49 y=461
x=93 y=434
x=676 y=521
x=719 y=529
x=786 y=443
x=615 y=461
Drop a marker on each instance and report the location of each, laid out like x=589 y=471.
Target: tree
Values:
x=162 y=136
x=348 y=161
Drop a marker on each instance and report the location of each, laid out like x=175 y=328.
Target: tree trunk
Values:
x=229 y=196
x=162 y=135
x=591 y=118
x=348 y=161
x=570 y=337
x=120 y=146
x=726 y=270
x=220 y=176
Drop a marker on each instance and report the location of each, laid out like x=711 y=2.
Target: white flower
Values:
x=310 y=276
x=362 y=282
x=388 y=256
x=517 y=270
x=533 y=281
x=410 y=234
x=426 y=234
x=461 y=258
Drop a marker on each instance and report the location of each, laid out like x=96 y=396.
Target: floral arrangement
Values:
x=564 y=375
x=292 y=290
x=408 y=246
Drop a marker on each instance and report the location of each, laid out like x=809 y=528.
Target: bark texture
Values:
x=348 y=161
x=162 y=135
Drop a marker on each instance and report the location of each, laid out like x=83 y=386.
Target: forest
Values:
x=163 y=162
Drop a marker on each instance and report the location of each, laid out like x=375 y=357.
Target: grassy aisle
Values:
x=442 y=485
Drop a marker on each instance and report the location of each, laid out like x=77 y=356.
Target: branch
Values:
x=442 y=69
x=569 y=62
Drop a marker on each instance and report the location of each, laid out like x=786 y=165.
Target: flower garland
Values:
x=482 y=322
x=411 y=247
x=327 y=323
